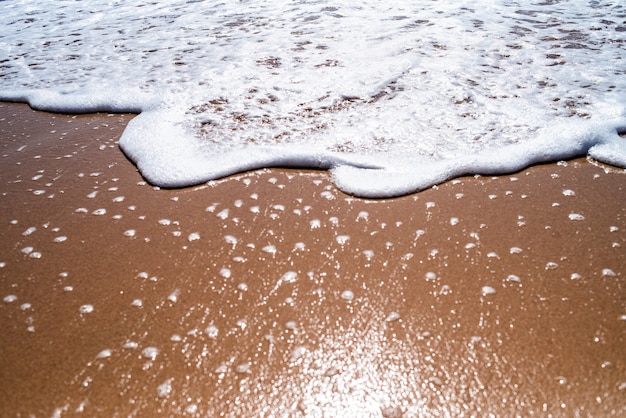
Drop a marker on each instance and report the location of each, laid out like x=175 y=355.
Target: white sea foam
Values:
x=391 y=96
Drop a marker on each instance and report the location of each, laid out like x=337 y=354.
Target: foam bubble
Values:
x=10 y=298
x=85 y=309
x=488 y=290
x=104 y=353
x=576 y=217
x=211 y=331
x=393 y=316
x=269 y=249
x=347 y=295
x=165 y=389
x=150 y=352
x=342 y=239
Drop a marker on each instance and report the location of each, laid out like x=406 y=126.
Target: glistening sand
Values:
x=272 y=293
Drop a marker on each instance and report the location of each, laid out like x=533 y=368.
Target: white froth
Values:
x=342 y=239
x=393 y=316
x=391 y=96
x=85 y=309
x=150 y=352
x=211 y=331
x=488 y=290
x=194 y=236
x=347 y=295
x=104 y=353
x=165 y=389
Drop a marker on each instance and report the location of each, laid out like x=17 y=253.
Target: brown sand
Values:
x=231 y=299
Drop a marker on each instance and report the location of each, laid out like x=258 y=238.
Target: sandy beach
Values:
x=271 y=293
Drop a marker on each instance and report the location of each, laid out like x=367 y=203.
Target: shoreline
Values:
x=271 y=291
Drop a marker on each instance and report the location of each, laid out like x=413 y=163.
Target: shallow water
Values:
x=454 y=88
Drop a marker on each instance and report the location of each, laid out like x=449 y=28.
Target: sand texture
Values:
x=271 y=293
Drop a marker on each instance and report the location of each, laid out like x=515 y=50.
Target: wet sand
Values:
x=271 y=293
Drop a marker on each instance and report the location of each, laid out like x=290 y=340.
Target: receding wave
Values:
x=393 y=97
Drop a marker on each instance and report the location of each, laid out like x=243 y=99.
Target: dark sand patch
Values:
x=272 y=292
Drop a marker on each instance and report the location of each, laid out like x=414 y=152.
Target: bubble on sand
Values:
x=515 y=250
x=297 y=353
x=299 y=246
x=173 y=297
x=25 y=306
x=347 y=295
x=255 y=209
x=194 y=236
x=81 y=210
x=223 y=214
x=211 y=331
x=118 y=199
x=576 y=217
x=363 y=215
x=225 y=272
x=430 y=276
x=192 y=408
x=315 y=223
x=150 y=352
x=289 y=277
x=10 y=298
x=488 y=290
x=551 y=265
x=435 y=380
x=165 y=389
x=61 y=238
x=243 y=368
x=137 y=302
x=568 y=192
x=29 y=231
x=513 y=278
x=164 y=222
x=269 y=249
x=575 y=276
x=130 y=233
x=230 y=240
x=328 y=195
x=130 y=345
x=454 y=221
x=342 y=239
x=613 y=229
x=85 y=309
x=99 y=212
x=35 y=254
x=368 y=254
x=393 y=316
x=104 y=353
x=608 y=273
x=27 y=250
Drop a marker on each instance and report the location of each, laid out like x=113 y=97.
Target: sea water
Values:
x=391 y=96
